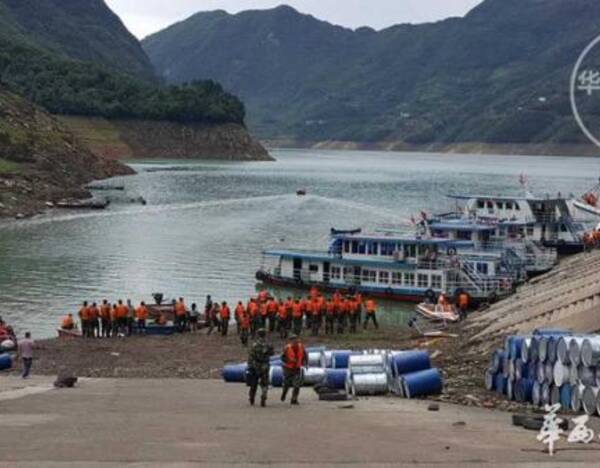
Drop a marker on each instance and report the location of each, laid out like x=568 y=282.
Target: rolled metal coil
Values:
x=422 y=383
x=590 y=351
x=368 y=384
x=588 y=400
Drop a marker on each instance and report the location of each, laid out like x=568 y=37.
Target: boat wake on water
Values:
x=387 y=214
x=143 y=210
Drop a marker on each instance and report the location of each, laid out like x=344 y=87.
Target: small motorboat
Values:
x=83 y=204
x=301 y=192
x=435 y=313
x=62 y=333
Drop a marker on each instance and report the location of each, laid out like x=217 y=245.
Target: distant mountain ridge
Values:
x=81 y=29
x=499 y=75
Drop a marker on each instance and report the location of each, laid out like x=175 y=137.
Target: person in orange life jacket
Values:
x=245 y=323
x=370 y=313
x=329 y=317
x=67 y=322
x=105 y=319
x=141 y=315
x=122 y=312
x=272 y=307
x=297 y=317
x=180 y=315
x=254 y=316
x=294 y=359
x=239 y=310
x=225 y=315
x=282 y=319
x=114 y=321
x=84 y=314
x=213 y=318
x=94 y=318
x=316 y=316
x=342 y=316
x=352 y=313
x=262 y=308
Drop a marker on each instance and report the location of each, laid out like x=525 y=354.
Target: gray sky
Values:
x=144 y=17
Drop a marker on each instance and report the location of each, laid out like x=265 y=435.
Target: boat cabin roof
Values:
x=466 y=197
x=461 y=226
x=384 y=236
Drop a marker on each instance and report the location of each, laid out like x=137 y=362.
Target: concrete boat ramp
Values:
x=183 y=423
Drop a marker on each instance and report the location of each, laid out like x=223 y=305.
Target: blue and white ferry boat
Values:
x=394 y=266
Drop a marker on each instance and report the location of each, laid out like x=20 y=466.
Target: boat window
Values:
x=347 y=246
x=387 y=249
x=397 y=278
x=422 y=280
x=348 y=272
x=369 y=276
x=490 y=205
x=384 y=277
x=482 y=268
x=517 y=207
x=530 y=230
x=362 y=248
x=563 y=228
x=373 y=248
x=509 y=205
x=500 y=205
x=336 y=273
x=314 y=268
x=410 y=251
x=354 y=247
x=480 y=204
x=409 y=279
x=436 y=281
x=464 y=235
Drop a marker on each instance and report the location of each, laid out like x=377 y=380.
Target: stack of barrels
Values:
x=366 y=372
x=549 y=367
x=6 y=348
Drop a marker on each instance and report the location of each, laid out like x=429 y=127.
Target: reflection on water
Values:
x=207 y=222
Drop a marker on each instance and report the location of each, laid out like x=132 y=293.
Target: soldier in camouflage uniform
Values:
x=258 y=368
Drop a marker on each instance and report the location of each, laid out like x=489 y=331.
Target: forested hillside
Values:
x=499 y=75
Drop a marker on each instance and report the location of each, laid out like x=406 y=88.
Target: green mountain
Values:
x=63 y=61
x=498 y=75
x=80 y=29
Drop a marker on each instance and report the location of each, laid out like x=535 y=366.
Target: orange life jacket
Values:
x=293 y=356
x=67 y=322
x=330 y=309
x=370 y=306
x=297 y=310
x=263 y=310
x=245 y=321
x=271 y=307
x=122 y=311
x=282 y=311
x=253 y=309
x=179 y=309
x=93 y=313
x=141 y=313
x=105 y=311
x=84 y=313
x=225 y=313
x=239 y=311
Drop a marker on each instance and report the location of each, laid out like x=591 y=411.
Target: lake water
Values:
x=206 y=223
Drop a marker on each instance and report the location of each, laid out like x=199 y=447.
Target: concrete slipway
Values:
x=183 y=423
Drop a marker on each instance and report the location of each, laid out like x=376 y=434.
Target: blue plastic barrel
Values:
x=523 y=390
x=235 y=373
x=410 y=361
x=5 y=361
x=276 y=376
x=515 y=343
x=336 y=378
x=565 y=396
x=340 y=359
x=500 y=384
x=422 y=383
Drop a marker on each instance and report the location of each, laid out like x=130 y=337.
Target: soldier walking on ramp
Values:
x=294 y=358
x=258 y=368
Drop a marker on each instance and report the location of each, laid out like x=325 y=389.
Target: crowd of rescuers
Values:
x=314 y=313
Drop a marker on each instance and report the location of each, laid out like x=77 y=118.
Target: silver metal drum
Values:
x=549 y=371
x=540 y=372
x=525 y=345
x=561 y=373
x=536 y=393
x=587 y=375
x=554 y=395
x=543 y=348
x=313 y=376
x=590 y=351
x=562 y=349
x=369 y=384
x=575 y=349
x=588 y=400
x=576 y=391
x=314 y=359
x=573 y=375
x=326 y=359
x=545 y=393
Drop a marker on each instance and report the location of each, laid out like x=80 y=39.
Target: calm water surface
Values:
x=206 y=223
